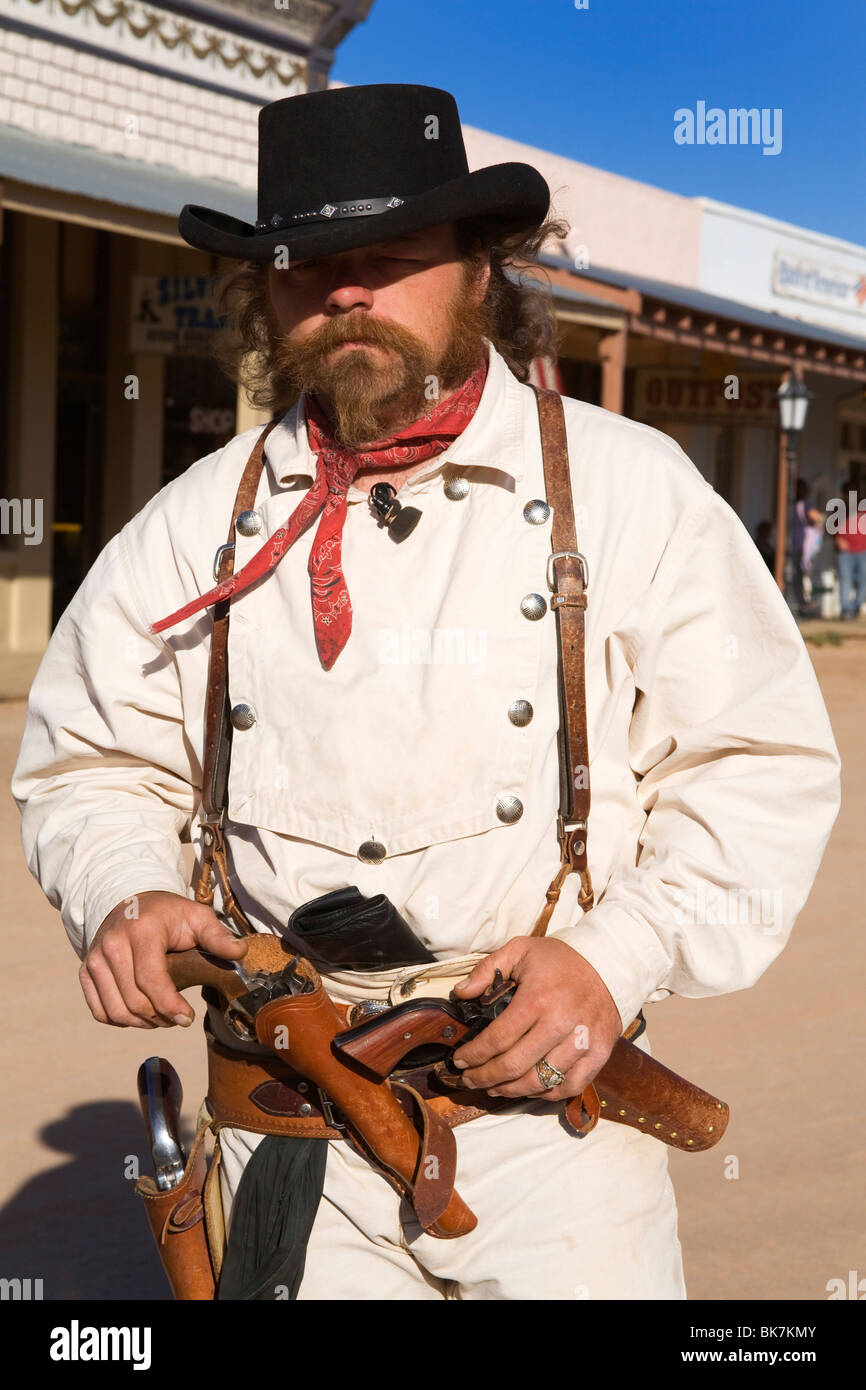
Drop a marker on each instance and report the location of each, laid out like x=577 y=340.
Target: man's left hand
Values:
x=561 y=1011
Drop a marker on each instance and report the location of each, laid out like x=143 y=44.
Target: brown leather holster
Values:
x=178 y=1222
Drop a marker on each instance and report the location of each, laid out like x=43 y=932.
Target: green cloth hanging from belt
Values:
x=271 y=1220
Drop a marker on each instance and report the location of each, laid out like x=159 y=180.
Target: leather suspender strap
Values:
x=217 y=728
x=568 y=580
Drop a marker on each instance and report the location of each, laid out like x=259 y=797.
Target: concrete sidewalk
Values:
x=831 y=631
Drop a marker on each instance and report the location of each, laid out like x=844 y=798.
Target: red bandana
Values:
x=336 y=469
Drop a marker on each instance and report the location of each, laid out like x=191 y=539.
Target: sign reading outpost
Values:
x=669 y=393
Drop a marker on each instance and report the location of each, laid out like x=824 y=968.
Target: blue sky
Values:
x=602 y=84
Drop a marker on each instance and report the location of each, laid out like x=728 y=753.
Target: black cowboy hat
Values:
x=351 y=166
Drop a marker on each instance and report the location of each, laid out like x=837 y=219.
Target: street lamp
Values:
x=793 y=397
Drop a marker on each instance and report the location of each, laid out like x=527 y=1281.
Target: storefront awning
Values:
x=28 y=162
x=712 y=304
x=691 y=318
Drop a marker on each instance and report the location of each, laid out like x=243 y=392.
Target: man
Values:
x=391 y=345
x=851 y=559
x=764 y=542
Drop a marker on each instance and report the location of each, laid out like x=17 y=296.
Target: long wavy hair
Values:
x=518 y=317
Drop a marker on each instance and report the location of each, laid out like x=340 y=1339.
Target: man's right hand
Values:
x=124 y=974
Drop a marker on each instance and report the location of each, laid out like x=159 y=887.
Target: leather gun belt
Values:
x=268 y=1097
x=262 y=1094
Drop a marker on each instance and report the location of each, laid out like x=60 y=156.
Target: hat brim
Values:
x=515 y=194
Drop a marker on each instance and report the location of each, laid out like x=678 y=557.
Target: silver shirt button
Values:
x=249 y=523
x=371 y=852
x=243 y=716
x=533 y=607
x=457 y=488
x=520 y=712
x=536 y=512
x=509 y=809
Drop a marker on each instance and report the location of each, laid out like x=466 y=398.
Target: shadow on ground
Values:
x=80 y=1227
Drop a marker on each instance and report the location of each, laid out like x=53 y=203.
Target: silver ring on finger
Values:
x=548 y=1075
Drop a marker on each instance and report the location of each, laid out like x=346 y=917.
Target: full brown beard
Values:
x=371 y=395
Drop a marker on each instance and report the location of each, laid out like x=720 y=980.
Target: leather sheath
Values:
x=177 y=1222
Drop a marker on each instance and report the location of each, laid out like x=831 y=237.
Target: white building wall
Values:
x=624 y=225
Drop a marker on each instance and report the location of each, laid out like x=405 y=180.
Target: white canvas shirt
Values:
x=714 y=772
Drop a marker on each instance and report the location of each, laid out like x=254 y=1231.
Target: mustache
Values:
x=354 y=328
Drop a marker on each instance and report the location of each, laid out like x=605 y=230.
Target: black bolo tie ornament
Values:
x=400 y=521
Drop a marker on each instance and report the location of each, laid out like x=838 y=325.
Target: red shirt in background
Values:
x=854 y=532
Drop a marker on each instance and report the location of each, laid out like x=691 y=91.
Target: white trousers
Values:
x=558 y=1218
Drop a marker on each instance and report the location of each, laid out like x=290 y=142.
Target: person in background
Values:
x=851 y=559
x=808 y=534
x=764 y=542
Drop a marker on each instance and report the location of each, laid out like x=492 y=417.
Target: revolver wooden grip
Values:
x=300 y=1029
x=188 y=968
x=265 y=953
x=381 y=1044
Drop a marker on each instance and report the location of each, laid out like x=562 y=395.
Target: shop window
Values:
x=80 y=419
x=856 y=475
x=851 y=434
x=581 y=380
x=200 y=405
x=724 y=463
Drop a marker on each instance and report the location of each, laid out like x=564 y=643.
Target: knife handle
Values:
x=160 y=1097
x=158 y=1081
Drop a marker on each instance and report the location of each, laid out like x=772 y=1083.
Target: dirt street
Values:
x=787 y=1056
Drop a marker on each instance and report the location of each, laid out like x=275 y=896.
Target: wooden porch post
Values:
x=781 y=512
x=611 y=355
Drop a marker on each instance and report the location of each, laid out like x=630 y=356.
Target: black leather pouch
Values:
x=346 y=931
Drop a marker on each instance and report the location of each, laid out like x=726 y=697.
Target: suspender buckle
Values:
x=211 y=830
x=572 y=839
x=551 y=578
